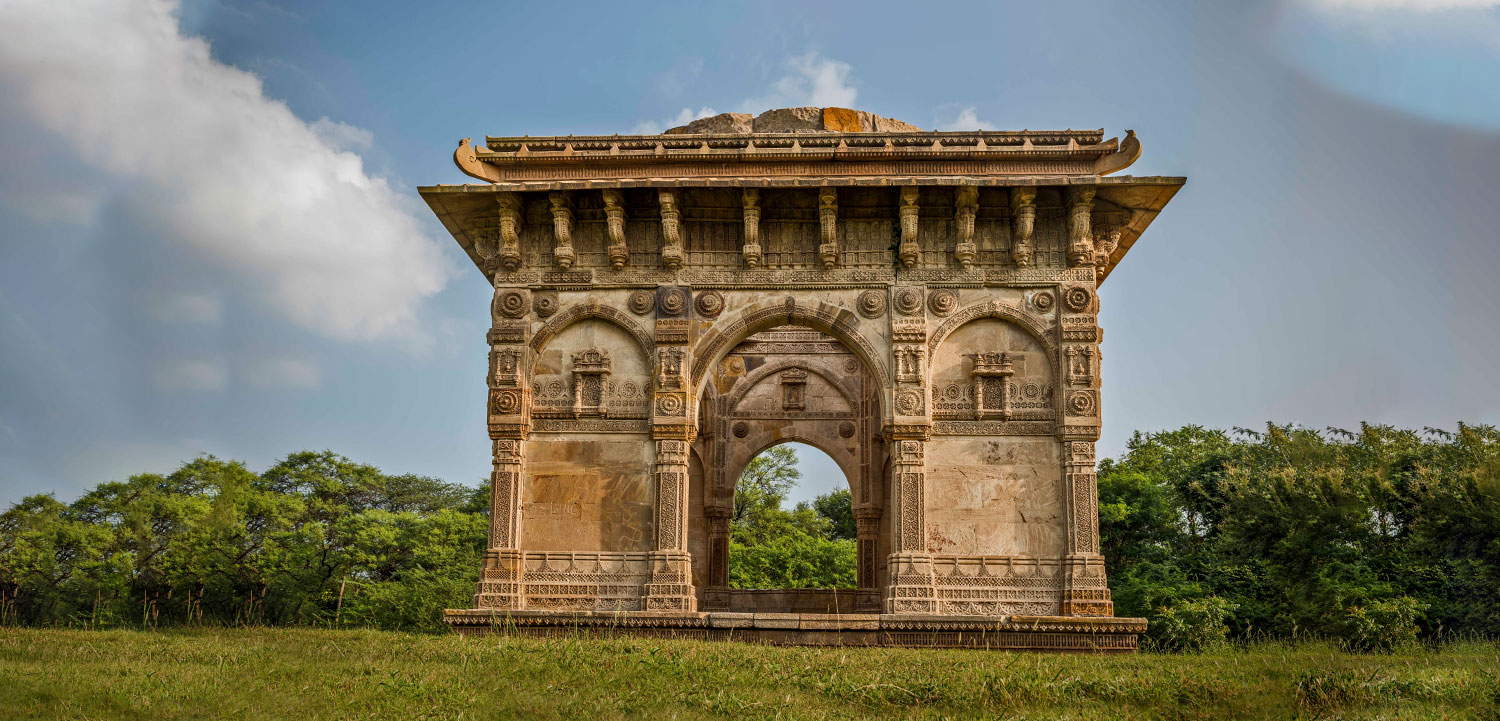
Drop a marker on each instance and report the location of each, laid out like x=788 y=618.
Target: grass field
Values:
x=309 y=674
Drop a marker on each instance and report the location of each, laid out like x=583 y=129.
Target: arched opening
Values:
x=780 y=386
x=793 y=522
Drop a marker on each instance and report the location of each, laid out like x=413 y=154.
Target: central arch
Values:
x=783 y=382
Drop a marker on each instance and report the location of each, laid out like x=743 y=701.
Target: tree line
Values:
x=1374 y=537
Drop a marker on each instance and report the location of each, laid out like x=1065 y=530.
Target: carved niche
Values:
x=590 y=373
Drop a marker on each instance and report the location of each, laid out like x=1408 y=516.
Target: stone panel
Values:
x=587 y=493
x=995 y=496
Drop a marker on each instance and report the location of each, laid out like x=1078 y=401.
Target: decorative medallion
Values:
x=736 y=365
x=1077 y=299
x=846 y=429
x=709 y=303
x=1042 y=301
x=871 y=303
x=741 y=429
x=851 y=366
x=544 y=303
x=670 y=404
x=909 y=301
x=555 y=389
x=1082 y=403
x=511 y=303
x=909 y=402
x=504 y=403
x=641 y=302
x=629 y=389
x=671 y=301
x=942 y=301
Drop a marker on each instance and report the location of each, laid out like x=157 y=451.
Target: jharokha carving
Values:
x=922 y=306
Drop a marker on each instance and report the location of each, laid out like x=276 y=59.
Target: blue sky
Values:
x=210 y=239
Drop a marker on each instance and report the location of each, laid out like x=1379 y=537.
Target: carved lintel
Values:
x=671 y=233
x=965 y=252
x=910 y=251
x=751 y=250
x=1023 y=215
x=614 y=214
x=562 y=228
x=828 y=218
x=509 y=252
x=1080 y=235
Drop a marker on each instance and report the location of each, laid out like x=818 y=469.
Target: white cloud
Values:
x=966 y=118
x=283 y=373
x=684 y=116
x=186 y=308
x=808 y=80
x=219 y=167
x=196 y=374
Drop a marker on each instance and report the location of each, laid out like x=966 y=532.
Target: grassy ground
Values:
x=309 y=674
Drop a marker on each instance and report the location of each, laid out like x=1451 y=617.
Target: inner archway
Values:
x=776 y=542
x=785 y=385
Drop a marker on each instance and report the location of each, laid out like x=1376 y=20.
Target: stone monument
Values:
x=919 y=305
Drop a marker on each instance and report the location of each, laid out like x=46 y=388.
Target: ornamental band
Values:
x=921 y=306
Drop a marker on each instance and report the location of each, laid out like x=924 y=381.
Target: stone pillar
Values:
x=867 y=525
x=500 y=581
x=910 y=584
x=671 y=585
x=1085 y=592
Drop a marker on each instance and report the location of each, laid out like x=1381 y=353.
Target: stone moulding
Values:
x=1033 y=633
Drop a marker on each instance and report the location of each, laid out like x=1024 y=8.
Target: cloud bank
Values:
x=200 y=153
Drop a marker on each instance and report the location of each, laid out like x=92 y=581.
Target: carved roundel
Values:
x=846 y=429
x=504 y=403
x=671 y=302
x=641 y=302
x=510 y=303
x=544 y=304
x=871 y=303
x=709 y=303
x=1077 y=299
x=942 y=302
x=851 y=366
x=909 y=301
x=1042 y=301
x=909 y=403
x=741 y=429
x=1082 y=403
x=669 y=404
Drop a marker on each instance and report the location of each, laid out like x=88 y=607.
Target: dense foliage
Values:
x=810 y=546
x=1374 y=538
x=314 y=540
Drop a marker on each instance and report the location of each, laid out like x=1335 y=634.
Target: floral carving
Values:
x=909 y=301
x=1082 y=403
x=909 y=402
x=1077 y=299
x=671 y=302
x=1043 y=301
x=510 y=303
x=544 y=304
x=670 y=404
x=741 y=429
x=871 y=303
x=709 y=303
x=504 y=403
x=641 y=302
x=846 y=429
x=942 y=301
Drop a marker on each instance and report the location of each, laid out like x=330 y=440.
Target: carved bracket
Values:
x=965 y=252
x=509 y=252
x=751 y=250
x=910 y=251
x=1080 y=235
x=614 y=214
x=828 y=218
x=1023 y=215
x=562 y=228
x=672 y=256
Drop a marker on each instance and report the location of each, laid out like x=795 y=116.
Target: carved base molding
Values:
x=1016 y=632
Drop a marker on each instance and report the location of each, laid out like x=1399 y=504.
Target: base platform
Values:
x=1078 y=634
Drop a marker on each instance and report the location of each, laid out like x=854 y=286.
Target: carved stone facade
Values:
x=921 y=306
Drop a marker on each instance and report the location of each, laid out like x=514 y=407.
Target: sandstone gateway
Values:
x=919 y=305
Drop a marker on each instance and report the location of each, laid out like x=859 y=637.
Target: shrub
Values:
x=1381 y=625
x=1190 y=625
